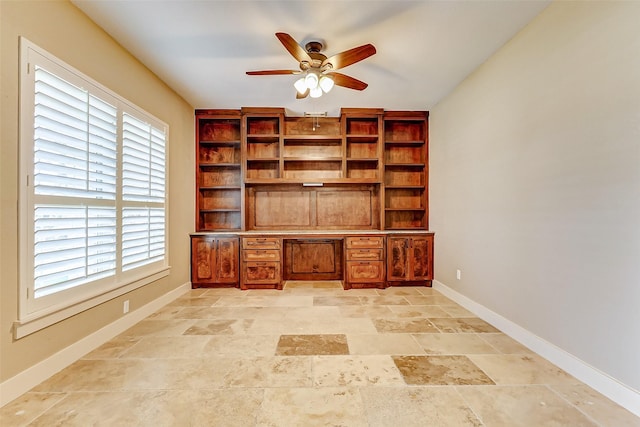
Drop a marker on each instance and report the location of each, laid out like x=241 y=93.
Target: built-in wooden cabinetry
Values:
x=261 y=262
x=364 y=262
x=314 y=197
x=409 y=259
x=214 y=261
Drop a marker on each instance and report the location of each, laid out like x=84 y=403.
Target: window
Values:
x=93 y=195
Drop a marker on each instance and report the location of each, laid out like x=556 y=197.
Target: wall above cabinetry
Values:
x=250 y=156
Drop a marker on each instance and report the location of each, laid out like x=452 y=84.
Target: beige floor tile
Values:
x=177 y=374
x=370 y=311
x=453 y=344
x=416 y=407
x=275 y=371
x=404 y=325
x=383 y=344
x=423 y=290
x=265 y=301
x=454 y=310
x=223 y=291
x=604 y=411
x=308 y=345
x=522 y=406
x=166 y=312
x=326 y=406
x=329 y=325
x=89 y=375
x=240 y=345
x=21 y=411
x=418 y=311
x=197 y=301
x=167 y=347
x=462 y=325
x=435 y=299
x=195 y=313
x=384 y=300
x=504 y=343
x=440 y=370
x=219 y=327
x=336 y=300
x=112 y=349
x=157 y=327
x=511 y=369
x=156 y=408
x=338 y=371
x=400 y=291
x=314 y=284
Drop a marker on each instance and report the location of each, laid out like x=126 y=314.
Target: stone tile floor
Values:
x=313 y=355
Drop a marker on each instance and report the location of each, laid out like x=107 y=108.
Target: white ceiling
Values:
x=202 y=48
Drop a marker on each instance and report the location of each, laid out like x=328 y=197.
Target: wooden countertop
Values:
x=308 y=232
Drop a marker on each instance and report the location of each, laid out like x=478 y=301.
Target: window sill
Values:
x=32 y=324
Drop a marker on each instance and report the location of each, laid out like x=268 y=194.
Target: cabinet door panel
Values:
x=203 y=268
x=421 y=256
x=227 y=271
x=398 y=259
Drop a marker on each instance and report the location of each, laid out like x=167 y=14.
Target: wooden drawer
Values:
x=261 y=243
x=260 y=255
x=365 y=255
x=261 y=272
x=354 y=242
x=365 y=271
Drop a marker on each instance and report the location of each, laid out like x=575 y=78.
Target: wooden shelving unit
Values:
x=219 y=185
x=381 y=155
x=405 y=170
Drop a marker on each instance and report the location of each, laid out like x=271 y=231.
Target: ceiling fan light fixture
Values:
x=326 y=83
x=315 y=92
x=300 y=85
x=311 y=80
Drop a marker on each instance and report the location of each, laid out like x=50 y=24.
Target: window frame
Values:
x=37 y=313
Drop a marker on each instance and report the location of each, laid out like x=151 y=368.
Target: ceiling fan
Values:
x=318 y=70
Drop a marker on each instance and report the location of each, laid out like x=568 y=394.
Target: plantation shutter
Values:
x=143 y=193
x=74 y=185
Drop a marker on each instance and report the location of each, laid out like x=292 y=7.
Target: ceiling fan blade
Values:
x=348 y=57
x=302 y=95
x=272 y=72
x=343 y=80
x=293 y=47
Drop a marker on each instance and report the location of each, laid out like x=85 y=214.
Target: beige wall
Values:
x=67 y=33
x=535 y=183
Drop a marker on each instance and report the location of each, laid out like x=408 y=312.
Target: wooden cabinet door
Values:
x=203 y=262
x=421 y=258
x=410 y=258
x=398 y=259
x=227 y=260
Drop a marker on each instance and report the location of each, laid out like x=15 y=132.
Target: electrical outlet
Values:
x=458 y=274
x=125 y=307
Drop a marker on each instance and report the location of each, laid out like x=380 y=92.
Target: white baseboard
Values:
x=29 y=378
x=620 y=393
